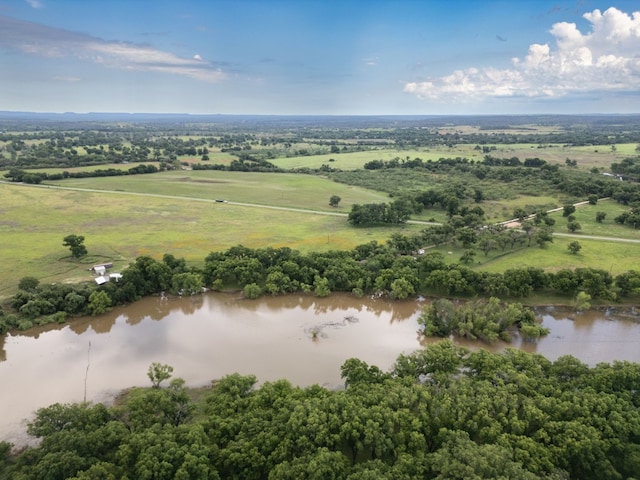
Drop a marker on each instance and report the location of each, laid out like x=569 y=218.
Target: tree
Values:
x=99 y=302
x=583 y=301
x=574 y=247
x=252 y=291
x=158 y=373
x=568 y=210
x=321 y=285
x=75 y=244
x=28 y=284
x=334 y=200
x=600 y=216
x=593 y=199
x=573 y=226
x=401 y=288
x=187 y=283
x=467 y=257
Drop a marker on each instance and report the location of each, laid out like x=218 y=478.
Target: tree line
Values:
x=20 y=175
x=369 y=268
x=440 y=412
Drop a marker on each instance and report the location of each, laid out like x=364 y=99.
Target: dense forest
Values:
x=440 y=413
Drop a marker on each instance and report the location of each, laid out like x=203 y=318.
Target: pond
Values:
x=301 y=338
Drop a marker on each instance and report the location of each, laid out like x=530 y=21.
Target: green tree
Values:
x=467 y=236
x=158 y=373
x=187 y=283
x=568 y=210
x=252 y=291
x=75 y=244
x=28 y=284
x=573 y=226
x=321 y=286
x=99 y=302
x=467 y=257
x=574 y=247
x=354 y=371
x=401 y=288
x=543 y=236
x=439 y=318
x=583 y=300
x=600 y=216
x=334 y=200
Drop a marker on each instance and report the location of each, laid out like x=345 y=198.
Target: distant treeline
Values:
x=19 y=175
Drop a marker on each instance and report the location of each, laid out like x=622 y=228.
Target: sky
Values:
x=320 y=57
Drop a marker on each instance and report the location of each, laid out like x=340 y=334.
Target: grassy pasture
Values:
x=599 y=156
x=119 y=227
x=586 y=217
x=613 y=257
x=521 y=129
x=221 y=158
x=282 y=190
x=587 y=157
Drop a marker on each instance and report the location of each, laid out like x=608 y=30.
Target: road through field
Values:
x=198 y=199
x=289 y=209
x=594 y=237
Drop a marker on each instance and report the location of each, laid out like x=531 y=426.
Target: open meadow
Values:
x=120 y=226
x=276 y=189
x=599 y=156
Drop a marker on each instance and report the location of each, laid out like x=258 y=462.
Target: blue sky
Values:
x=343 y=57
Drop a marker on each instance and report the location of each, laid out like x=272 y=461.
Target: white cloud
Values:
x=197 y=57
x=604 y=59
x=35 y=3
x=40 y=40
x=61 y=78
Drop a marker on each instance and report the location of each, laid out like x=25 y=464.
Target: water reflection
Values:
x=206 y=337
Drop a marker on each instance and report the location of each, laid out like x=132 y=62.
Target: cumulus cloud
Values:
x=40 y=40
x=604 y=59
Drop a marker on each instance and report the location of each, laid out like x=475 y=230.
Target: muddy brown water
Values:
x=301 y=338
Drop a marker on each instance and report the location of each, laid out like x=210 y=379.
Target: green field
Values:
x=282 y=190
x=118 y=227
x=600 y=156
x=586 y=217
x=614 y=257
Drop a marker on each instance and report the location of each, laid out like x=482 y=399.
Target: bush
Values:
x=252 y=291
x=28 y=284
x=24 y=324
